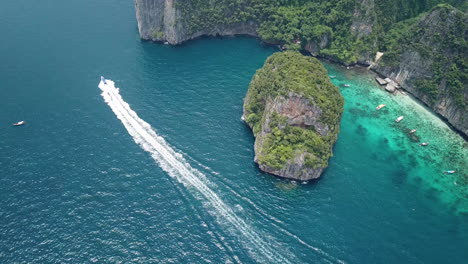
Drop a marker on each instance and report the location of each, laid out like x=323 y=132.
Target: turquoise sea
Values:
x=161 y=171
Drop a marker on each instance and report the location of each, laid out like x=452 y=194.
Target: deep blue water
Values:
x=76 y=188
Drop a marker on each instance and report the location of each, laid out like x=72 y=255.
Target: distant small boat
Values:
x=332 y=76
x=20 y=123
x=449 y=172
x=347 y=85
x=399 y=119
x=412 y=131
x=166 y=43
x=424 y=144
x=380 y=106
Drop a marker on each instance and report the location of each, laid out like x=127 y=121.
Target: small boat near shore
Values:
x=347 y=85
x=20 y=123
x=413 y=131
x=380 y=106
x=332 y=76
x=399 y=119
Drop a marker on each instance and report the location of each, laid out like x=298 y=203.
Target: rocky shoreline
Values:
x=294 y=111
x=159 y=20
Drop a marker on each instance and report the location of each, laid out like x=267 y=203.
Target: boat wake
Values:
x=174 y=164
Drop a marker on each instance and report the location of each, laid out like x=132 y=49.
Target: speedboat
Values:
x=399 y=119
x=380 y=106
x=347 y=85
x=103 y=80
x=449 y=172
x=412 y=131
x=20 y=123
x=424 y=144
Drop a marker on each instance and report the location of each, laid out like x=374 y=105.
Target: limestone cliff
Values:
x=418 y=51
x=294 y=112
x=430 y=60
x=164 y=20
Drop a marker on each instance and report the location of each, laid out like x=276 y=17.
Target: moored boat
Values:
x=399 y=119
x=347 y=85
x=424 y=144
x=412 y=131
x=380 y=106
x=450 y=172
x=20 y=123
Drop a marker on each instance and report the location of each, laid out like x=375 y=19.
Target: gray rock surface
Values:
x=414 y=66
x=159 y=20
x=390 y=88
x=299 y=112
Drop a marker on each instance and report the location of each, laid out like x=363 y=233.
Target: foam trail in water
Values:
x=177 y=167
x=273 y=220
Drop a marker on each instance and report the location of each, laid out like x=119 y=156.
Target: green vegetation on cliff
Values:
x=283 y=74
x=285 y=21
x=409 y=33
x=439 y=37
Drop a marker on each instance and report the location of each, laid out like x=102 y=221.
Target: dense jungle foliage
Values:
x=282 y=74
x=284 y=22
x=446 y=47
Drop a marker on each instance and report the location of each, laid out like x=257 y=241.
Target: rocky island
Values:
x=422 y=44
x=294 y=111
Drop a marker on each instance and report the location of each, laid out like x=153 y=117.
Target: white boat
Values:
x=399 y=119
x=412 y=131
x=103 y=80
x=20 y=123
x=380 y=106
x=347 y=85
x=424 y=144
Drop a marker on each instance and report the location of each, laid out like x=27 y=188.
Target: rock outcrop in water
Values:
x=294 y=112
x=353 y=33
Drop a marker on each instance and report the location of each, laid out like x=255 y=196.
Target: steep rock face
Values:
x=363 y=22
x=299 y=112
x=363 y=18
x=175 y=21
x=314 y=47
x=295 y=119
x=428 y=52
x=161 y=20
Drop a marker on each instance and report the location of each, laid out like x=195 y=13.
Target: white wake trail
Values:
x=177 y=167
